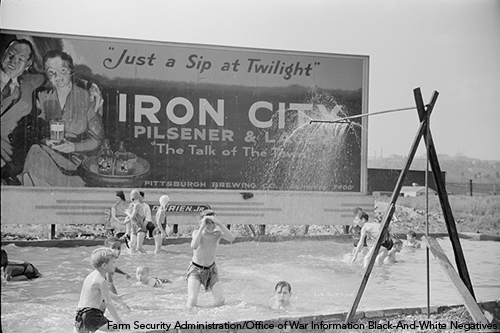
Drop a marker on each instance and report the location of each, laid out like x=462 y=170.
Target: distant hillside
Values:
x=485 y=175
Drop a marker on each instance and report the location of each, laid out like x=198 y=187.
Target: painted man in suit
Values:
x=16 y=104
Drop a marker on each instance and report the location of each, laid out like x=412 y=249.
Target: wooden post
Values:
x=52 y=234
x=390 y=211
x=443 y=199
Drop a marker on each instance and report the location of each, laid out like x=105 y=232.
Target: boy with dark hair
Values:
x=281 y=298
x=411 y=240
x=396 y=248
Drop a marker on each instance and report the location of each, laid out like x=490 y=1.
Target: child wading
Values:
x=203 y=270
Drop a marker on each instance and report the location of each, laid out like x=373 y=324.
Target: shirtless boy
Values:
x=281 y=298
x=391 y=255
x=95 y=295
x=203 y=270
x=372 y=230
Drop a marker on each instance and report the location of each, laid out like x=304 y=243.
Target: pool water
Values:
x=323 y=282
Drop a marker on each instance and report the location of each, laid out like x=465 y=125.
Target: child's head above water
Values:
x=411 y=235
x=114 y=244
x=142 y=274
x=283 y=292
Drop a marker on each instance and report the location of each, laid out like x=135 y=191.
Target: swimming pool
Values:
x=322 y=282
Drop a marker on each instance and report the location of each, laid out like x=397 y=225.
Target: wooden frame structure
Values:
x=424 y=112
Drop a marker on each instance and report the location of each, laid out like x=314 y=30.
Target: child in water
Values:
x=142 y=275
x=16 y=270
x=391 y=255
x=411 y=240
x=281 y=298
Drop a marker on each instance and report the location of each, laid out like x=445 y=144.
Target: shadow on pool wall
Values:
x=182 y=240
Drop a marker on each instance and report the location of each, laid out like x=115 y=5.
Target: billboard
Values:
x=102 y=112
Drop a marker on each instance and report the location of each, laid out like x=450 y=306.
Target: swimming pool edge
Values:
x=181 y=240
x=305 y=323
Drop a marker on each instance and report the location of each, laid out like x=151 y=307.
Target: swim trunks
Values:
x=388 y=243
x=137 y=228
x=157 y=230
x=207 y=275
x=89 y=320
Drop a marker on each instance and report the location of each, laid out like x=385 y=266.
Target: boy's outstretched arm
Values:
x=119 y=271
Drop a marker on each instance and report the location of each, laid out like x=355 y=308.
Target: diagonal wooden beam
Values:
x=390 y=211
x=443 y=199
x=457 y=282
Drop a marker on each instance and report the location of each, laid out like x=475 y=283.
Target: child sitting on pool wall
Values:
x=203 y=270
x=391 y=255
x=95 y=296
x=411 y=240
x=17 y=270
x=114 y=244
x=281 y=298
x=142 y=275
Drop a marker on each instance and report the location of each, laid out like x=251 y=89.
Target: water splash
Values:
x=310 y=157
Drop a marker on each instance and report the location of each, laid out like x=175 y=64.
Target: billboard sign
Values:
x=184 y=116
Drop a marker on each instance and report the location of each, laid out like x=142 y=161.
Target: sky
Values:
x=448 y=46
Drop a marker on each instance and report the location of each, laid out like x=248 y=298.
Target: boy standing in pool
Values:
x=95 y=296
x=203 y=270
x=372 y=230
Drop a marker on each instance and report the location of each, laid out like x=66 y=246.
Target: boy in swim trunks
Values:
x=372 y=230
x=281 y=298
x=203 y=270
x=15 y=270
x=95 y=295
x=142 y=275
